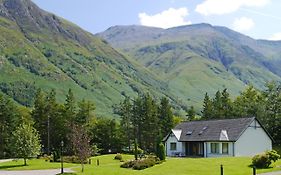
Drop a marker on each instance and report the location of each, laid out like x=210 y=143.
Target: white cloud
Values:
x=243 y=24
x=166 y=19
x=219 y=7
x=276 y=36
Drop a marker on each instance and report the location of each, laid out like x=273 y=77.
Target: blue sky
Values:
x=260 y=19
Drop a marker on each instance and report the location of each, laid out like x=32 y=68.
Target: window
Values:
x=173 y=146
x=215 y=148
x=225 y=148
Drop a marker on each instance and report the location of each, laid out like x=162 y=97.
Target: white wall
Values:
x=252 y=141
x=208 y=153
x=180 y=146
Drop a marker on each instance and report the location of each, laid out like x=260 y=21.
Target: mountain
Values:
x=199 y=58
x=41 y=50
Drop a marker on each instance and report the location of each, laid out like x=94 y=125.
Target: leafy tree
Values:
x=272 y=120
x=81 y=144
x=9 y=119
x=249 y=103
x=26 y=142
x=105 y=134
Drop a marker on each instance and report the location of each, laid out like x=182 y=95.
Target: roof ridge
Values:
x=218 y=119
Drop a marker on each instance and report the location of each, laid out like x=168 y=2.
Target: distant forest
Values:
x=143 y=119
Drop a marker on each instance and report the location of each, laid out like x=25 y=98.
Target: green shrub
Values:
x=273 y=155
x=264 y=160
x=162 y=155
x=142 y=164
x=118 y=157
x=128 y=164
x=72 y=159
x=261 y=161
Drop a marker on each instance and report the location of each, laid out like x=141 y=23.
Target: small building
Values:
x=218 y=138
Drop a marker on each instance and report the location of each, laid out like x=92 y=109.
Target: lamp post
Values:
x=61 y=158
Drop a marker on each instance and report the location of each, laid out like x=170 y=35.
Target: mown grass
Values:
x=172 y=166
x=32 y=164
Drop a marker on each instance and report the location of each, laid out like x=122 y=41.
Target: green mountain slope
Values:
x=199 y=58
x=39 y=49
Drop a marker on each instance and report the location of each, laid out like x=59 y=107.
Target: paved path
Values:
x=5 y=160
x=35 y=172
x=272 y=173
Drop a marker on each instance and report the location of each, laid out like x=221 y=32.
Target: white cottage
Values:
x=217 y=138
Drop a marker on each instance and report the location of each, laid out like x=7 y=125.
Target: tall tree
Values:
x=125 y=111
x=207 y=112
x=138 y=119
x=85 y=112
x=150 y=129
x=218 y=106
x=25 y=142
x=227 y=106
x=273 y=110
x=9 y=119
x=191 y=114
x=165 y=116
x=70 y=107
x=40 y=117
x=81 y=144
x=249 y=103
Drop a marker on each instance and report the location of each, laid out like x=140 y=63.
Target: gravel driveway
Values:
x=35 y=172
x=272 y=173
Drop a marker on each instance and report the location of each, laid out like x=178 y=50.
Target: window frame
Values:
x=227 y=146
x=215 y=148
x=174 y=147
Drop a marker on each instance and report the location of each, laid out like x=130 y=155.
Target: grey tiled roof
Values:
x=210 y=130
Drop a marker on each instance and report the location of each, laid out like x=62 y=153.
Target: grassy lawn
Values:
x=173 y=166
x=33 y=164
x=176 y=166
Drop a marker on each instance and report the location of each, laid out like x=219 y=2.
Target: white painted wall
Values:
x=252 y=141
x=208 y=150
x=180 y=146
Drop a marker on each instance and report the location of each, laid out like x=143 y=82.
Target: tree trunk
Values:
x=24 y=161
x=82 y=164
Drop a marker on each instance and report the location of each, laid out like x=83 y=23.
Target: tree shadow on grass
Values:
x=10 y=166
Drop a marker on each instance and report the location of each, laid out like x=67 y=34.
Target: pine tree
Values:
x=218 y=106
x=125 y=111
x=165 y=116
x=85 y=112
x=150 y=127
x=227 y=107
x=40 y=117
x=191 y=114
x=138 y=119
x=207 y=112
x=70 y=107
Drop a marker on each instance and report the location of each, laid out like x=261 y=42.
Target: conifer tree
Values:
x=165 y=116
x=207 y=112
